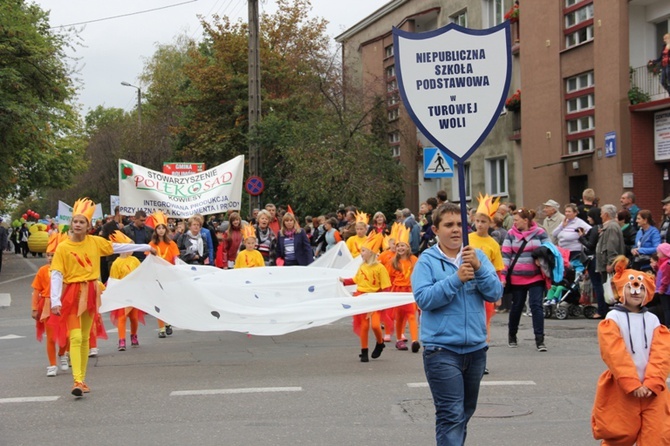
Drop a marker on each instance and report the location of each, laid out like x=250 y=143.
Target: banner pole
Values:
x=464 y=205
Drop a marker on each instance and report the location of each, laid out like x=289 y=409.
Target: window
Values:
x=388 y=51
x=393 y=99
x=394 y=137
x=580 y=145
x=454 y=183
x=580 y=103
x=579 y=82
x=582 y=124
x=392 y=86
x=460 y=18
x=390 y=71
x=578 y=16
x=496 y=10
x=393 y=114
x=584 y=33
x=569 y=3
x=395 y=151
x=496 y=176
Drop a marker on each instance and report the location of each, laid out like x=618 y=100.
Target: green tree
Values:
x=41 y=144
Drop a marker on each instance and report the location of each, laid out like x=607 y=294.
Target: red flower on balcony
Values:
x=654 y=67
x=513 y=103
x=513 y=14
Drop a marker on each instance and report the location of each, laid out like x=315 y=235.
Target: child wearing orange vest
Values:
x=371 y=277
x=41 y=309
x=166 y=249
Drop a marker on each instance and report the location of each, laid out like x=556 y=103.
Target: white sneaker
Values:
x=52 y=370
x=93 y=352
x=63 y=362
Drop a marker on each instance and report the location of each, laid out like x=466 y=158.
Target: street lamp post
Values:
x=139 y=101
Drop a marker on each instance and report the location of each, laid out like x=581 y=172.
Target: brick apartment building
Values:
x=575 y=62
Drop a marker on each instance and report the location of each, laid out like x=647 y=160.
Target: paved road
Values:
x=305 y=388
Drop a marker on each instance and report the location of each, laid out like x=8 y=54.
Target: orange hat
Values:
x=362 y=217
x=633 y=280
x=159 y=218
x=85 y=207
x=488 y=205
x=119 y=237
x=248 y=231
x=374 y=241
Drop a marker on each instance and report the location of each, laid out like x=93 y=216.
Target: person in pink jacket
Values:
x=523 y=275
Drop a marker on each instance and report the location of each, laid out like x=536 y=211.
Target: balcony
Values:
x=648 y=84
x=516 y=125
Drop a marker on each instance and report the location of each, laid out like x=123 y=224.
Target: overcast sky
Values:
x=115 y=50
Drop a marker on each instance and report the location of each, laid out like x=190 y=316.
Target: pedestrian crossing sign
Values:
x=437 y=164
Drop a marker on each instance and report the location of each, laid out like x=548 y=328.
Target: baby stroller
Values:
x=563 y=298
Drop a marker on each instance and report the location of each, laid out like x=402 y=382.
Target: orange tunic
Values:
x=166 y=251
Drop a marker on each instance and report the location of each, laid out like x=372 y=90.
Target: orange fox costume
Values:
x=636 y=349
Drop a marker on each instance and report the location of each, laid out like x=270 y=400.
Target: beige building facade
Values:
x=576 y=63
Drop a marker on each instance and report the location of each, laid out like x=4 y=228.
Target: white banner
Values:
x=210 y=192
x=65 y=213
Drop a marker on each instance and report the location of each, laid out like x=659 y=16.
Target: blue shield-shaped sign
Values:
x=454 y=82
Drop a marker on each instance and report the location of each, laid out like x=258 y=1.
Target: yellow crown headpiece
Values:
x=374 y=241
x=403 y=234
x=54 y=239
x=85 y=207
x=362 y=217
x=488 y=205
x=119 y=237
x=159 y=219
x=248 y=231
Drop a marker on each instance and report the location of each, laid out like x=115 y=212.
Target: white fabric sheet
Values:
x=260 y=301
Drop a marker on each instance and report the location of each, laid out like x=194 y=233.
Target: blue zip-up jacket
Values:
x=452 y=312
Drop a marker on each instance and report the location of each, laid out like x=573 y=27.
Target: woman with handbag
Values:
x=646 y=241
x=522 y=276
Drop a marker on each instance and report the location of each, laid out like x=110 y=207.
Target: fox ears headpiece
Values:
x=85 y=207
x=635 y=281
x=119 y=237
x=488 y=205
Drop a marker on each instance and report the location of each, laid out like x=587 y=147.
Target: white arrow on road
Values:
x=11 y=336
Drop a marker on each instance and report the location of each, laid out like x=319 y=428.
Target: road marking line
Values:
x=17 y=278
x=235 y=391
x=29 y=399
x=11 y=336
x=485 y=383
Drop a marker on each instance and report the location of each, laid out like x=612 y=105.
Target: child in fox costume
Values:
x=632 y=403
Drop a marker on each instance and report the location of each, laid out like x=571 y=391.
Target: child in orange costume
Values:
x=75 y=289
x=356 y=242
x=167 y=250
x=632 y=401
x=480 y=239
x=41 y=309
x=122 y=266
x=400 y=270
x=371 y=277
x=250 y=257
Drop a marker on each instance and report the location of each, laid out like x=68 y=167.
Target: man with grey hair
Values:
x=414 y=230
x=610 y=242
x=628 y=202
x=553 y=218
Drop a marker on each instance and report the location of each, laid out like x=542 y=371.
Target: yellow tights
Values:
x=79 y=344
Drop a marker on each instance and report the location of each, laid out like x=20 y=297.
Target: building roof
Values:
x=381 y=12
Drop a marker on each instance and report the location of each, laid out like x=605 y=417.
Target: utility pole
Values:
x=254 y=97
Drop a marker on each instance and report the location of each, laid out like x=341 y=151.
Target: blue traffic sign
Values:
x=254 y=185
x=437 y=164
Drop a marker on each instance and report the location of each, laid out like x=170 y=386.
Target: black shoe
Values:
x=168 y=329
x=486 y=371
x=377 y=352
x=539 y=342
x=511 y=341
x=415 y=346
x=161 y=333
x=364 y=355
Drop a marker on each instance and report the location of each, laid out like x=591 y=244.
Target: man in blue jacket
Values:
x=450 y=284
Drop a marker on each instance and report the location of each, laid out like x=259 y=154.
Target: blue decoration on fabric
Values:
x=158 y=310
x=216 y=314
x=345 y=306
x=159 y=284
x=311 y=289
